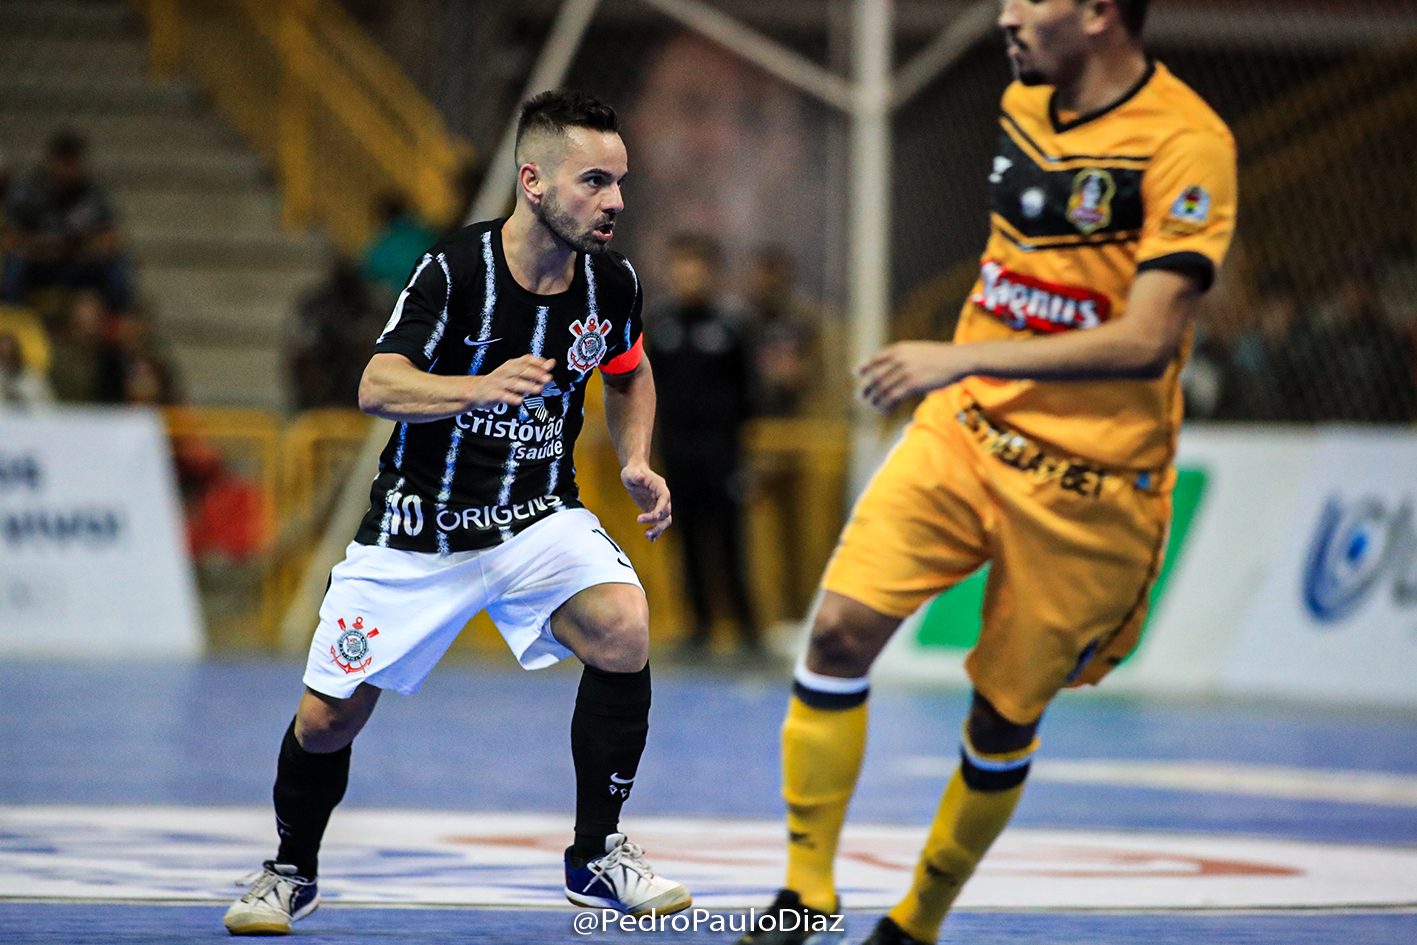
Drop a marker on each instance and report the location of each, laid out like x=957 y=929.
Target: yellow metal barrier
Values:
x=297 y=468
x=232 y=453
x=316 y=96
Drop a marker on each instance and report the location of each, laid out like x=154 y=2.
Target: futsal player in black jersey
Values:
x=483 y=364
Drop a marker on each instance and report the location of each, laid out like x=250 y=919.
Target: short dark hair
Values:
x=557 y=110
x=66 y=144
x=1133 y=13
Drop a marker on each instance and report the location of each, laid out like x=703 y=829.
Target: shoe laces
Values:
x=624 y=854
x=263 y=880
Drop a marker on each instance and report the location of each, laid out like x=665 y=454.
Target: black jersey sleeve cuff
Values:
x=411 y=351
x=1197 y=264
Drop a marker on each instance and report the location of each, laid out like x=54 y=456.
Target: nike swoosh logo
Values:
x=479 y=344
x=619 y=780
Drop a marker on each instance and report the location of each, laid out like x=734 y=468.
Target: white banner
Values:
x=1336 y=615
x=93 y=561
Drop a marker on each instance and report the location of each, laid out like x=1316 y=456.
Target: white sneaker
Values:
x=277 y=897
x=621 y=879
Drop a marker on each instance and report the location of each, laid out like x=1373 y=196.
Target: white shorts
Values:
x=390 y=615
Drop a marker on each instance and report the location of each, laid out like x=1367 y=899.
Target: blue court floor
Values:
x=483 y=737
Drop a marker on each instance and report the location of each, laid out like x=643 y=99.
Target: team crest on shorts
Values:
x=1090 y=206
x=589 y=348
x=351 y=651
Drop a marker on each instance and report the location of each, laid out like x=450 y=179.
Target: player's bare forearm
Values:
x=393 y=388
x=629 y=412
x=1161 y=307
x=629 y=415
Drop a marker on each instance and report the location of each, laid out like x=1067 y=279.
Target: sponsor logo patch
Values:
x=1090 y=206
x=351 y=651
x=1024 y=302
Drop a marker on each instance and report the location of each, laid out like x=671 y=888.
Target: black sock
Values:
x=308 y=786
x=607 y=738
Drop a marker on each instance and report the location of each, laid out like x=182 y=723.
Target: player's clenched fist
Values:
x=512 y=382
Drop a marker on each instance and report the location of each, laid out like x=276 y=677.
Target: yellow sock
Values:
x=965 y=826
x=821 y=757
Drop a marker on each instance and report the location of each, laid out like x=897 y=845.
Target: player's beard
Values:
x=567 y=228
x=1030 y=77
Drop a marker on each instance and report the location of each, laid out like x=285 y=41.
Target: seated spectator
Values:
x=59 y=230
x=29 y=331
x=335 y=328
x=20 y=384
x=4 y=178
x=396 y=246
x=784 y=340
x=85 y=367
x=148 y=381
x=1363 y=368
x=223 y=509
x=1267 y=376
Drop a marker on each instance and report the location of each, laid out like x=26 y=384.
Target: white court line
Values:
x=1298 y=784
x=461 y=858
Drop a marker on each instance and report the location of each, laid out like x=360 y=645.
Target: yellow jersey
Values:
x=1078 y=208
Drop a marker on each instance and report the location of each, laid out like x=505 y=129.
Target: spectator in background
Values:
x=4 y=182
x=397 y=245
x=1267 y=374
x=701 y=364
x=466 y=184
x=784 y=338
x=1363 y=369
x=84 y=366
x=59 y=230
x=20 y=385
x=335 y=328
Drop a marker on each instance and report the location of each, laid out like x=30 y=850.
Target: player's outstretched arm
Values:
x=1161 y=307
x=394 y=388
x=629 y=415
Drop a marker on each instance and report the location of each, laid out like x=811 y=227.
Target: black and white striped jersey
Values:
x=475 y=480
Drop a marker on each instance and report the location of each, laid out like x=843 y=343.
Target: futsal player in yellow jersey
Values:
x=1044 y=446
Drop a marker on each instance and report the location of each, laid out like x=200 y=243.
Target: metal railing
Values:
x=297 y=467
x=339 y=120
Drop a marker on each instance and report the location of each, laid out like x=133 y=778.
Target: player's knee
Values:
x=617 y=639
x=837 y=648
x=993 y=734
x=324 y=724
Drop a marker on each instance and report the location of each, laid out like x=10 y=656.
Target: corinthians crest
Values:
x=589 y=348
x=351 y=651
x=1090 y=206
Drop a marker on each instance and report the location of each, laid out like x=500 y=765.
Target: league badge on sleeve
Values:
x=1190 y=211
x=589 y=348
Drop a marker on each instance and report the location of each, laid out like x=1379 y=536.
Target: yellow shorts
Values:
x=1074 y=551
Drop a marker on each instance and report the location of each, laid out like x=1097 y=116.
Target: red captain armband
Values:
x=627 y=362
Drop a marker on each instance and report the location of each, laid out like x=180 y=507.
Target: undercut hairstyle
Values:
x=557 y=111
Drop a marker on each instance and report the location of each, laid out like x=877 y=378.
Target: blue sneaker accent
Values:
x=277 y=897
x=622 y=880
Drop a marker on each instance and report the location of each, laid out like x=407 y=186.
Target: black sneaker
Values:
x=788 y=922
x=887 y=932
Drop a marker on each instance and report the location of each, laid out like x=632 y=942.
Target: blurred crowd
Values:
x=1279 y=356
x=70 y=329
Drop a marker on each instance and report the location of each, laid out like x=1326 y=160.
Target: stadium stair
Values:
x=199 y=210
